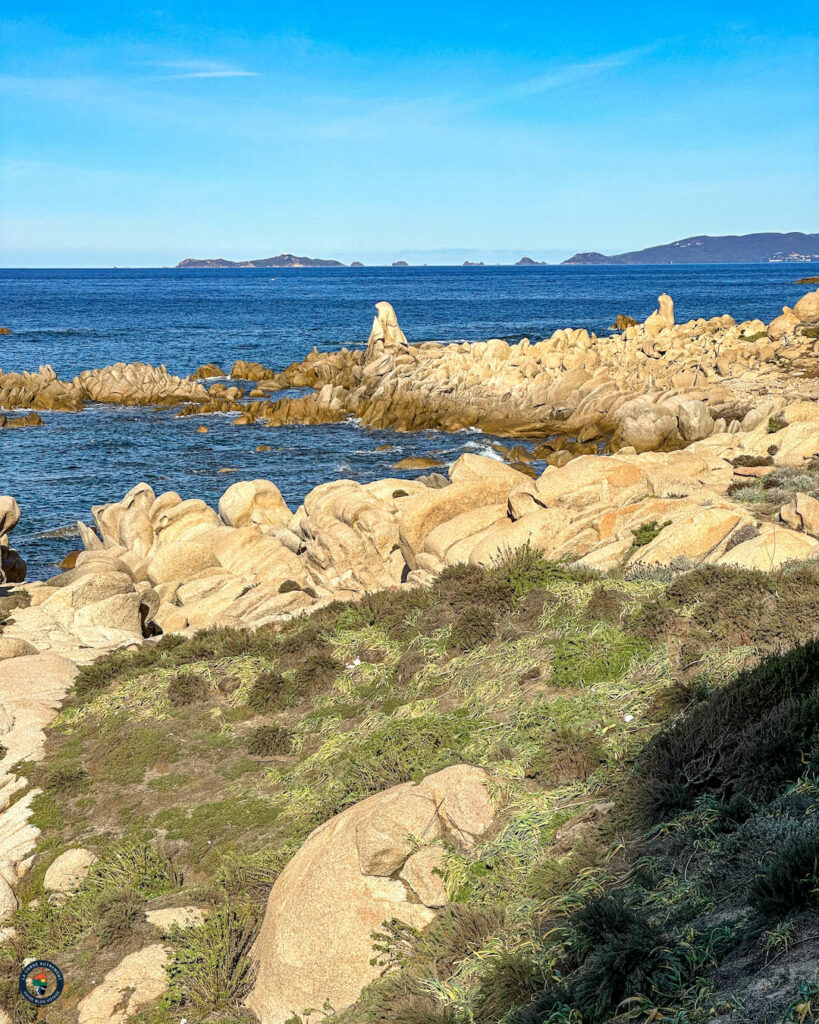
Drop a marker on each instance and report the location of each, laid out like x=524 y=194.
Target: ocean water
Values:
x=77 y=319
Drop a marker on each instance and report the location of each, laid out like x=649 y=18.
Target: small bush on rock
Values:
x=646 y=532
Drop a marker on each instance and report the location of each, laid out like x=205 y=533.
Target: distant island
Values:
x=765 y=247
x=527 y=261
x=285 y=260
x=472 y=263
x=400 y=263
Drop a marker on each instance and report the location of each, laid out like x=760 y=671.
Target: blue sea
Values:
x=78 y=319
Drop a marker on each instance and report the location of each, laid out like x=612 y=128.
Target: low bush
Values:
x=789 y=877
x=266 y=691
x=646 y=532
x=187 y=688
x=622 y=955
x=210 y=969
x=566 y=755
x=267 y=740
x=473 y=627
x=117 y=912
x=748 y=739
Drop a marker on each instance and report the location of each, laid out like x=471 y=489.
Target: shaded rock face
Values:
x=12 y=565
x=373 y=862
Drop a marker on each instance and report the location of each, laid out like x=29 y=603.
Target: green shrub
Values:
x=473 y=627
x=789 y=878
x=210 y=968
x=511 y=979
x=65 y=779
x=186 y=688
x=118 y=911
x=752 y=460
x=267 y=740
x=566 y=755
x=646 y=532
x=622 y=955
x=526 y=569
x=402 y=750
x=775 y=424
x=266 y=691
x=316 y=673
x=748 y=739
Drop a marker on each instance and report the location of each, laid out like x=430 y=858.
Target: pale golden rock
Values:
x=254 y=503
x=423 y=873
x=806 y=309
x=137 y=981
x=801 y=513
x=770 y=549
x=316 y=939
x=696 y=536
x=68 y=871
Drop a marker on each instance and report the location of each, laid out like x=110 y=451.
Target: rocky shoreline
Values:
x=711 y=435
x=689 y=413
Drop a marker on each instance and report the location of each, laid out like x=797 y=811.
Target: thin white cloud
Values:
x=203 y=69
x=570 y=73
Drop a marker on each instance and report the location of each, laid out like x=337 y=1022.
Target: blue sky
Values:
x=432 y=132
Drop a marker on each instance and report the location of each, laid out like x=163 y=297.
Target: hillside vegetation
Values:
x=652 y=740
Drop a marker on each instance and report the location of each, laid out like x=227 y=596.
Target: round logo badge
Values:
x=41 y=982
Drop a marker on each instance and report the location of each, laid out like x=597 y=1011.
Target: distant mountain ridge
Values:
x=764 y=247
x=285 y=260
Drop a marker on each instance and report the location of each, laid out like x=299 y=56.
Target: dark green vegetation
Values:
x=653 y=738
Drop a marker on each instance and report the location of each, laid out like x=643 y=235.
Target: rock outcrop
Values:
x=12 y=564
x=657 y=384
x=373 y=862
x=31 y=688
x=158 y=563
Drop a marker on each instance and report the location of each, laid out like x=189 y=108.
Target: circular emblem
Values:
x=41 y=982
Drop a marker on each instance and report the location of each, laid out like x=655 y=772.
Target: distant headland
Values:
x=285 y=260
x=766 y=247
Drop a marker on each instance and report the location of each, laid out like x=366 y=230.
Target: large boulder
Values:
x=67 y=872
x=701 y=534
x=136 y=981
x=806 y=309
x=254 y=503
x=316 y=943
x=802 y=513
x=770 y=549
x=783 y=325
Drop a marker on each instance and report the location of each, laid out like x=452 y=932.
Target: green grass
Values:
x=218 y=754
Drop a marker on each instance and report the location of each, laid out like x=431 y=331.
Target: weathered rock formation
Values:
x=658 y=384
x=373 y=862
x=31 y=688
x=122 y=384
x=12 y=565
